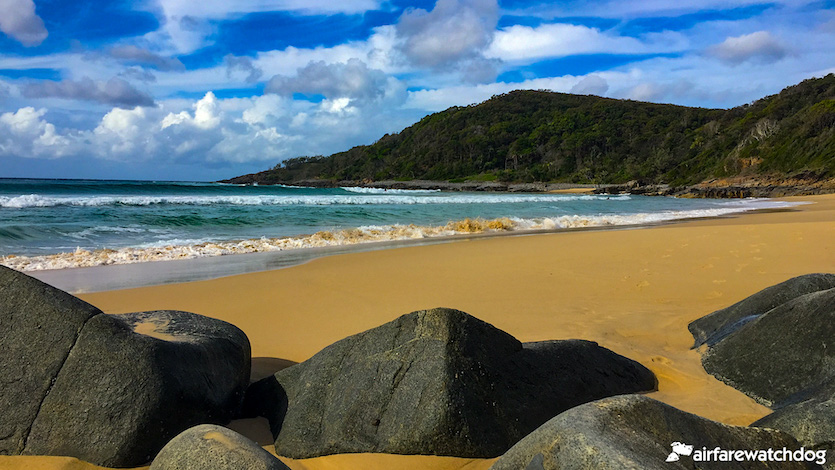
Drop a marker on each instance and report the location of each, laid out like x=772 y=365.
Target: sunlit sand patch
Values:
x=155 y=329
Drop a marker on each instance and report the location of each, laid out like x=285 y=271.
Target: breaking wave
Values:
x=185 y=249
x=34 y=200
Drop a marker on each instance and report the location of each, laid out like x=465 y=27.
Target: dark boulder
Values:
x=109 y=389
x=132 y=382
x=434 y=382
x=214 y=447
x=776 y=346
x=38 y=326
x=636 y=432
x=812 y=421
x=712 y=328
x=784 y=355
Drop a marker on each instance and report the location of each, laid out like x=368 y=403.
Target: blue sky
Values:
x=184 y=90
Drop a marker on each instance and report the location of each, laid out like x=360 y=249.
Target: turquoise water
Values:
x=46 y=217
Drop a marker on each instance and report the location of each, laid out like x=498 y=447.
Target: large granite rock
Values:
x=213 y=447
x=812 y=422
x=109 y=389
x=784 y=355
x=712 y=328
x=38 y=327
x=776 y=346
x=434 y=382
x=636 y=432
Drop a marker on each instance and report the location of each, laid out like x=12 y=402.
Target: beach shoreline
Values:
x=88 y=279
x=632 y=291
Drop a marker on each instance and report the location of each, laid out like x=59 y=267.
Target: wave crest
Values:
x=34 y=200
x=184 y=249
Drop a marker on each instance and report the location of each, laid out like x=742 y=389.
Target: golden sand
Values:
x=633 y=291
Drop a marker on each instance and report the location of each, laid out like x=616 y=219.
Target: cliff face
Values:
x=538 y=136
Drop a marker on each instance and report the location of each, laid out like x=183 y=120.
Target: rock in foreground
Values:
x=38 y=326
x=109 y=389
x=633 y=431
x=776 y=346
x=712 y=328
x=435 y=382
x=214 y=447
x=783 y=355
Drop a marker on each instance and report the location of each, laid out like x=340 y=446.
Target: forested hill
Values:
x=527 y=136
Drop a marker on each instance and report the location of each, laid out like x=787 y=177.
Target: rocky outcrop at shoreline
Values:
x=799 y=185
x=731 y=188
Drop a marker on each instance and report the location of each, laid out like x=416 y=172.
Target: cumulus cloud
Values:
x=115 y=92
x=208 y=132
x=206 y=114
x=591 y=85
x=137 y=55
x=756 y=47
x=524 y=43
x=26 y=134
x=19 y=20
x=454 y=31
x=242 y=64
x=353 y=80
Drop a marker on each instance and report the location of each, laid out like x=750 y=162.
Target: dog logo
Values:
x=679 y=448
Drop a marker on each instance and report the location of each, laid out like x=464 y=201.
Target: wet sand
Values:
x=633 y=291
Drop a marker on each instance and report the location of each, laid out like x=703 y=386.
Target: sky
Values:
x=210 y=89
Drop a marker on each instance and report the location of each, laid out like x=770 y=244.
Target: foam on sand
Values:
x=186 y=249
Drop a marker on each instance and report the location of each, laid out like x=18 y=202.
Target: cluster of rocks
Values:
x=470 y=186
x=126 y=390
x=777 y=347
x=803 y=184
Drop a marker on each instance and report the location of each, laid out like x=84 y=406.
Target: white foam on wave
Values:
x=184 y=249
x=34 y=200
x=361 y=190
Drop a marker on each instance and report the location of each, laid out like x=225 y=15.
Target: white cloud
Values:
x=352 y=80
x=235 y=65
x=524 y=43
x=208 y=131
x=591 y=85
x=186 y=26
x=24 y=133
x=206 y=115
x=138 y=55
x=19 y=20
x=453 y=31
x=115 y=91
x=760 y=46
x=627 y=9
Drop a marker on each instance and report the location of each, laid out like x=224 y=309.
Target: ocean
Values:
x=57 y=224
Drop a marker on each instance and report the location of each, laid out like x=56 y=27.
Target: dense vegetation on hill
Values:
x=526 y=136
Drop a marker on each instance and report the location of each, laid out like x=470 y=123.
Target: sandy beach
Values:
x=633 y=291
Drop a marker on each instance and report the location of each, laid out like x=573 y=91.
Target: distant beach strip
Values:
x=59 y=224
